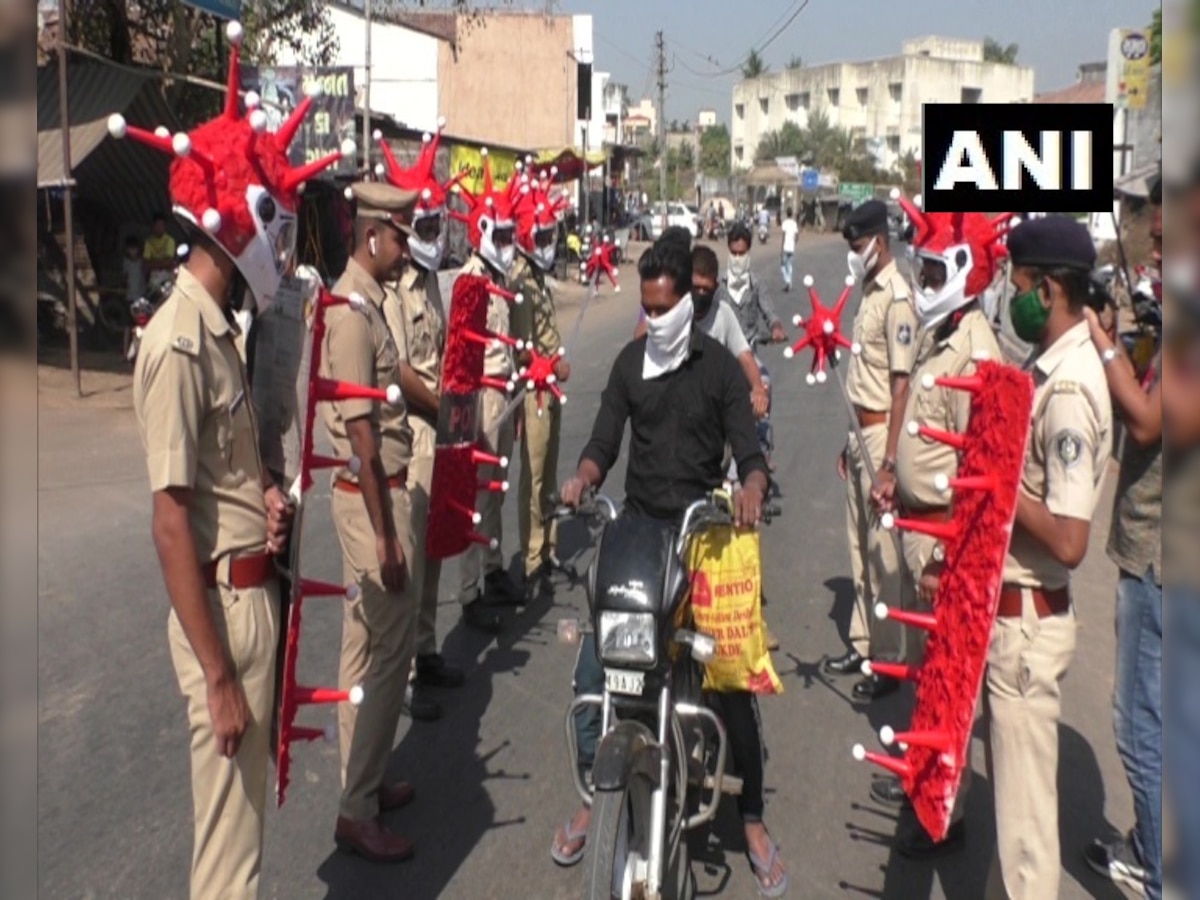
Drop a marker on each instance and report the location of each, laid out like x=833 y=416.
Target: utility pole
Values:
x=366 y=138
x=68 y=185
x=661 y=53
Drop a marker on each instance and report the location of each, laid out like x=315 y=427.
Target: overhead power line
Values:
x=770 y=39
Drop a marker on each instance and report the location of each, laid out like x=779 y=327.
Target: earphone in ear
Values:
x=371 y=246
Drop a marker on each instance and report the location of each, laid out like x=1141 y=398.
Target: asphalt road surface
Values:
x=492 y=776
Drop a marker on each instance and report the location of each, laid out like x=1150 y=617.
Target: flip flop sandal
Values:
x=566 y=860
x=763 y=872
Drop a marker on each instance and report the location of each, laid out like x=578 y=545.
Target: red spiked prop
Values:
x=822 y=331
x=602 y=260
x=976 y=543
x=457 y=457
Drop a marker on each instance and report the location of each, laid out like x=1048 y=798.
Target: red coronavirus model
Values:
x=822 y=331
x=602 y=260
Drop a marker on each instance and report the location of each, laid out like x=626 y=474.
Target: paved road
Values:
x=114 y=806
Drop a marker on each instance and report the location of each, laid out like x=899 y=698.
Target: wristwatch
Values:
x=889 y=465
x=1108 y=355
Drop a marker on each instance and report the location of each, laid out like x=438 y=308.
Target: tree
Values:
x=796 y=62
x=909 y=171
x=1156 y=37
x=817 y=146
x=787 y=140
x=994 y=51
x=754 y=66
x=714 y=151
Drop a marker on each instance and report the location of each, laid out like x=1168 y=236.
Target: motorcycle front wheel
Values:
x=619 y=836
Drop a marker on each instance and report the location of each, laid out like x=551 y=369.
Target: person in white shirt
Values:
x=788 y=251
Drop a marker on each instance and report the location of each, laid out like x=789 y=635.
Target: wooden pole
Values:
x=67 y=186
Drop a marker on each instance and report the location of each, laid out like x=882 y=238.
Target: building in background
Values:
x=616 y=110
x=641 y=123
x=878 y=100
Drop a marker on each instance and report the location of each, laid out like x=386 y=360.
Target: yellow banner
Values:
x=1133 y=80
x=470 y=160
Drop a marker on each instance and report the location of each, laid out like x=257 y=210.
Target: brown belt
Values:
x=394 y=482
x=929 y=514
x=1047 y=603
x=244 y=571
x=869 y=417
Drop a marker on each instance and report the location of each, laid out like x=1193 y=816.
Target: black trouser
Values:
x=743 y=725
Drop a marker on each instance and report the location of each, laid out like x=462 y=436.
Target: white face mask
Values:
x=428 y=255
x=667 y=339
x=739 y=266
x=500 y=257
x=862 y=263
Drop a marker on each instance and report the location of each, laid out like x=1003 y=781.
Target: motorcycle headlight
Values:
x=627 y=638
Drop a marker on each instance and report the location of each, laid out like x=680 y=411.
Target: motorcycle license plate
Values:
x=619 y=681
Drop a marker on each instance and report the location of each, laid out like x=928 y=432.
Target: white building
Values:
x=879 y=100
x=404 y=65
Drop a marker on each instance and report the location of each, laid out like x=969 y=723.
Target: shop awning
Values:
x=568 y=161
x=1136 y=183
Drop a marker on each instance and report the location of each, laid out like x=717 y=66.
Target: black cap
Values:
x=1051 y=243
x=870 y=217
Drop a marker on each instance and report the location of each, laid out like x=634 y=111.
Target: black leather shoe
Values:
x=434 y=671
x=499 y=590
x=479 y=617
x=888 y=792
x=919 y=845
x=875 y=686
x=849 y=663
x=423 y=708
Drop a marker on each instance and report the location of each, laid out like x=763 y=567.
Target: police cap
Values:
x=870 y=217
x=379 y=200
x=1054 y=242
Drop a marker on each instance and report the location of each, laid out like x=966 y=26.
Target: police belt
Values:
x=1046 y=603
x=394 y=482
x=244 y=572
x=868 y=418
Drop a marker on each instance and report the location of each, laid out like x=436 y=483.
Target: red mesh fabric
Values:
x=950 y=677
x=451 y=493
x=462 y=366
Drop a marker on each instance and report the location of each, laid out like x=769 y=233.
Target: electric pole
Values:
x=661 y=53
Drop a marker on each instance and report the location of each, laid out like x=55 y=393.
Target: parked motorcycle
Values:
x=764 y=234
x=659 y=769
x=142 y=310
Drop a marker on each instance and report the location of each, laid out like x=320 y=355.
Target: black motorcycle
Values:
x=660 y=766
x=142 y=310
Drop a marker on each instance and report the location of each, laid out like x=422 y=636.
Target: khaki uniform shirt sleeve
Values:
x=351 y=354
x=521 y=315
x=900 y=320
x=1071 y=437
x=171 y=408
x=393 y=314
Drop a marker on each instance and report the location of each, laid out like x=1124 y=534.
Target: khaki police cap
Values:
x=379 y=200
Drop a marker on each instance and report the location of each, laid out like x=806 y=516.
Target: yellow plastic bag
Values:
x=726 y=575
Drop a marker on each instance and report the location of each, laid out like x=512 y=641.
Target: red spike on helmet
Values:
x=420 y=176
x=538 y=210
x=232 y=178
x=935 y=234
x=491 y=203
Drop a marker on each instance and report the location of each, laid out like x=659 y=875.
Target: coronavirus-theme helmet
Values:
x=428 y=244
x=538 y=211
x=490 y=210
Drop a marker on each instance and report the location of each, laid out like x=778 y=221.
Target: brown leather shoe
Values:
x=371 y=841
x=395 y=796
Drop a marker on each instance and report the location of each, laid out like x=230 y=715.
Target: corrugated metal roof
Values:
x=125 y=177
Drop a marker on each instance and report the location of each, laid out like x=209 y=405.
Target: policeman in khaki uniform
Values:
x=373 y=517
x=535 y=321
x=482 y=575
x=1033 y=639
x=958 y=336
x=886 y=329
x=417 y=321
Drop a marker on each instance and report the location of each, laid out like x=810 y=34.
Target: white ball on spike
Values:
x=894 y=193
x=493 y=544
x=356 y=695
x=859 y=752
x=849 y=281
x=504 y=462
x=483 y=151
x=352 y=592
x=808 y=281
x=881 y=610
x=821 y=377
x=887 y=521
x=865 y=668
x=441 y=122
x=348 y=147
x=913 y=428
x=856 y=348
x=887 y=735
x=919 y=201
x=258 y=121
x=314 y=88
x=234 y=33
x=393 y=395
x=348 y=193
x=181 y=144
x=117 y=126
x=252 y=100
x=354 y=464
x=211 y=220
x=504 y=486
x=810 y=379
x=941 y=481
x=788 y=353
x=380 y=170
x=377 y=135
x=162 y=131
x=928 y=381
x=828 y=327
x=562 y=400
x=797 y=320
x=476 y=518
x=519 y=298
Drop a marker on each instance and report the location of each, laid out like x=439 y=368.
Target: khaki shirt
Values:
x=1068 y=451
x=196 y=418
x=886 y=329
x=417 y=320
x=535 y=319
x=359 y=349
x=497 y=360
x=918 y=459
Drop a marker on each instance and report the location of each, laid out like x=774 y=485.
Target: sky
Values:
x=1054 y=36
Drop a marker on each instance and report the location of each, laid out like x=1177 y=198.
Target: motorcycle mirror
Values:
x=703 y=646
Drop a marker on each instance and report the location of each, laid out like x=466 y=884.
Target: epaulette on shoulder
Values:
x=1066 y=386
x=186 y=325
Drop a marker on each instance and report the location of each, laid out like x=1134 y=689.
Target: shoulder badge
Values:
x=1068 y=445
x=185 y=329
x=904 y=334
x=1063 y=386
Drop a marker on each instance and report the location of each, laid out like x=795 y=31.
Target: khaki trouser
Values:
x=424 y=572
x=497 y=438
x=874 y=560
x=538 y=492
x=229 y=795
x=1027 y=660
x=378 y=642
x=918 y=551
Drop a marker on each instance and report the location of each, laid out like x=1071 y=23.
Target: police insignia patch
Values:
x=1069 y=447
x=904 y=334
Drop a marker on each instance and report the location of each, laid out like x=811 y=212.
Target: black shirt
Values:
x=680 y=422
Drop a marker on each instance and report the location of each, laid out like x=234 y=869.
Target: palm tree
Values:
x=994 y=51
x=816 y=143
x=754 y=66
x=796 y=62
